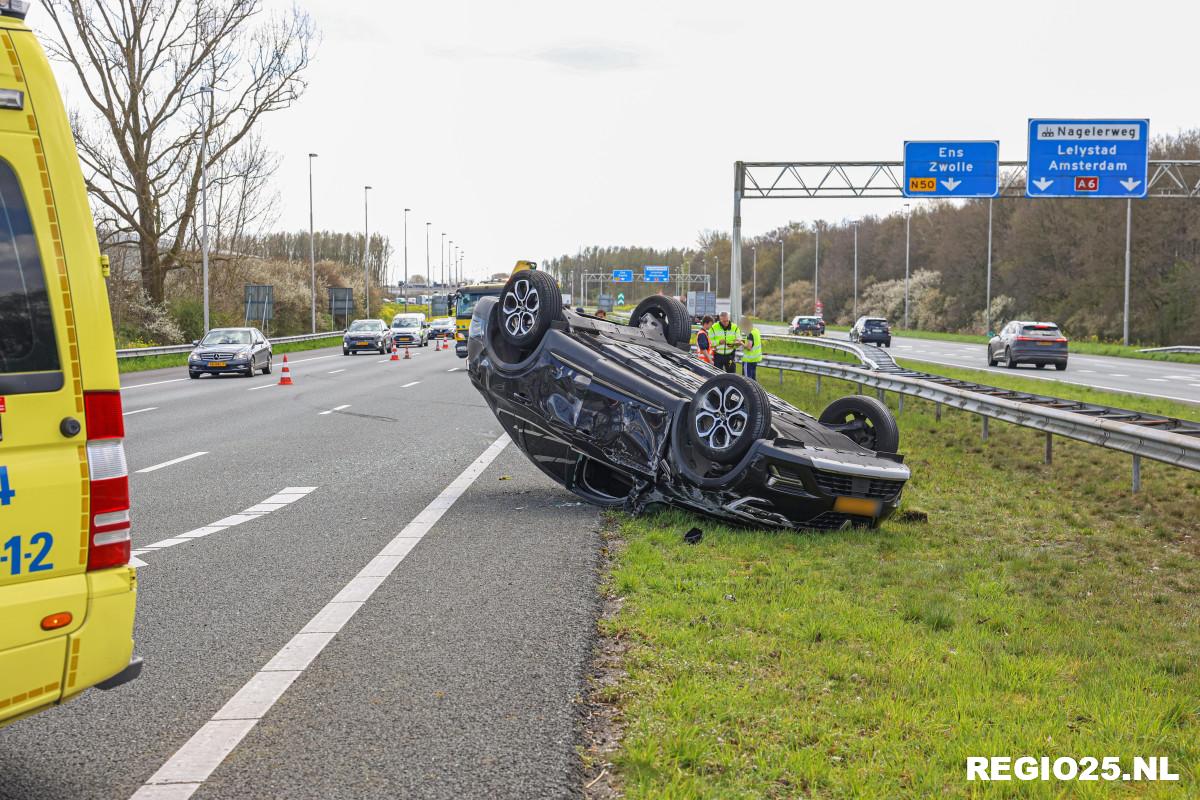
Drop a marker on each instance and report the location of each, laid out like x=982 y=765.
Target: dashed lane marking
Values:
x=264 y=386
x=174 y=461
x=335 y=408
x=153 y=383
x=410 y=383
x=276 y=501
x=195 y=761
x=336 y=371
x=139 y=411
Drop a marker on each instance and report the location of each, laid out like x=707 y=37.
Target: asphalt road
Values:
x=1164 y=379
x=448 y=667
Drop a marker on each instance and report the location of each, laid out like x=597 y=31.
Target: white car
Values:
x=410 y=330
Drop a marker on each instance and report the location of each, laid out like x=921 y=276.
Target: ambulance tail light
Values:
x=108 y=481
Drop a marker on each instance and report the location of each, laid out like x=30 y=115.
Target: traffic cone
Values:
x=285 y=375
x=439 y=344
x=407 y=355
x=395 y=355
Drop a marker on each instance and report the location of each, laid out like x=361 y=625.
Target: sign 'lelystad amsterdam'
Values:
x=1088 y=158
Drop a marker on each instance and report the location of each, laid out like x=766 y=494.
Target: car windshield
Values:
x=407 y=322
x=1041 y=331
x=226 y=337
x=366 y=325
x=443 y=322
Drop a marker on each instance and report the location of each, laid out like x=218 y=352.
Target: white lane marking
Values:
x=276 y=501
x=1117 y=375
x=314 y=358
x=383 y=361
x=194 y=762
x=335 y=408
x=135 y=562
x=264 y=386
x=179 y=460
x=336 y=371
x=155 y=383
x=452 y=369
x=139 y=411
x=411 y=383
x=1085 y=371
x=1197 y=385
x=1157 y=380
x=1034 y=376
x=1180 y=377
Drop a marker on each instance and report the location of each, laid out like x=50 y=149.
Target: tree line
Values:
x=1053 y=259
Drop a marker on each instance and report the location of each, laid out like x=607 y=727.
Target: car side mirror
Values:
x=195 y=342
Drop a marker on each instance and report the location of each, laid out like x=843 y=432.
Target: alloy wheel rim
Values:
x=520 y=307
x=722 y=417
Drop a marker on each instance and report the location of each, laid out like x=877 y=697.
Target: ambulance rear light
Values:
x=108 y=481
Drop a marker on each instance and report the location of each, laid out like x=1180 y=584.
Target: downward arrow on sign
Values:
x=951 y=184
x=1042 y=184
x=1130 y=184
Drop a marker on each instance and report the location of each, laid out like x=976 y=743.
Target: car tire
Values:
x=529 y=303
x=345 y=352
x=193 y=375
x=728 y=414
x=267 y=369
x=1040 y=365
x=865 y=421
x=666 y=314
x=1060 y=367
x=991 y=361
x=1009 y=361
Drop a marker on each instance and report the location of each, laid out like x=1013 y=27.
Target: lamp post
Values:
x=781 y=238
x=366 y=255
x=450 y=258
x=406 y=258
x=855 y=224
x=817 y=267
x=754 y=282
x=442 y=255
x=907 y=237
x=312 y=249
x=428 y=277
x=208 y=90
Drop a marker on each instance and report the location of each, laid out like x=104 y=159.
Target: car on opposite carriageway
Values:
x=241 y=351
x=1025 y=342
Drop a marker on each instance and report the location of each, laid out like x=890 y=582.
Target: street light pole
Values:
x=907 y=237
x=366 y=255
x=781 y=262
x=312 y=249
x=442 y=256
x=817 y=268
x=428 y=277
x=406 y=258
x=855 y=224
x=204 y=198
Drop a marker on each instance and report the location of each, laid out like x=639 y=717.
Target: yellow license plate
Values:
x=858 y=506
x=360 y=344
x=216 y=363
x=922 y=184
x=1045 y=344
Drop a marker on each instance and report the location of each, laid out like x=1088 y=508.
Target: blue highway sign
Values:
x=656 y=274
x=623 y=275
x=1088 y=157
x=951 y=169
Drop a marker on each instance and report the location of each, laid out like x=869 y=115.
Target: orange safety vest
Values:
x=704 y=346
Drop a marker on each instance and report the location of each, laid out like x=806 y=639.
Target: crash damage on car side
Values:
x=606 y=411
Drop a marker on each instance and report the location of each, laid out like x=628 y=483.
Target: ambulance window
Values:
x=26 y=325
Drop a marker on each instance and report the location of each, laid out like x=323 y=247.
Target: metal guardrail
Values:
x=171 y=349
x=1166 y=439
x=1175 y=348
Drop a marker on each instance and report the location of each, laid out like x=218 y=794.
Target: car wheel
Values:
x=193 y=375
x=1009 y=361
x=267 y=368
x=345 y=352
x=991 y=361
x=865 y=420
x=1060 y=367
x=1040 y=365
x=727 y=416
x=666 y=314
x=529 y=302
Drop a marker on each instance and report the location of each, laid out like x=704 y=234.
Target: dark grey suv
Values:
x=872 y=330
x=1024 y=342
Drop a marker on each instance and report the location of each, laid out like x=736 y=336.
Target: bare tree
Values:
x=142 y=65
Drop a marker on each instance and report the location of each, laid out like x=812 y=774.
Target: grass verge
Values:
x=1041 y=610
x=140 y=363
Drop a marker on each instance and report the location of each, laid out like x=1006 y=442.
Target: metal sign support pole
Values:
x=1128 y=259
x=816 y=269
x=735 y=263
x=987 y=308
x=781 y=262
x=907 y=239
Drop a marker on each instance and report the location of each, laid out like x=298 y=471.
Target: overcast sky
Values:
x=525 y=129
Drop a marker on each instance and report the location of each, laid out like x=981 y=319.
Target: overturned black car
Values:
x=624 y=417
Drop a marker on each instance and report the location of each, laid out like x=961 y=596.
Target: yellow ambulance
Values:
x=67 y=594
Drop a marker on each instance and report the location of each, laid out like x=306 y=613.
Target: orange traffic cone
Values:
x=285 y=376
x=439 y=343
x=407 y=355
x=395 y=356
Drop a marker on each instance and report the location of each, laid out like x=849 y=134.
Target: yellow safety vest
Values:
x=753 y=354
x=724 y=340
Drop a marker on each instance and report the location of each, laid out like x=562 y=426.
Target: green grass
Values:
x=140 y=363
x=1067 y=391
x=800 y=348
x=1041 y=610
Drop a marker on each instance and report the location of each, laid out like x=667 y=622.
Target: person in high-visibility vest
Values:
x=752 y=351
x=726 y=338
x=704 y=341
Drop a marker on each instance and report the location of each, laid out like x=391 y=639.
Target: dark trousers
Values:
x=750 y=369
x=725 y=361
